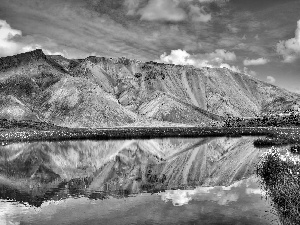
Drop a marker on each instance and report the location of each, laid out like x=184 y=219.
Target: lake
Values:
x=155 y=181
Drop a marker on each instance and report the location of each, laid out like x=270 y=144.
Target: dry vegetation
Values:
x=281 y=180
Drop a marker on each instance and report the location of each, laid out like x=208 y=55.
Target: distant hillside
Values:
x=102 y=92
x=282 y=105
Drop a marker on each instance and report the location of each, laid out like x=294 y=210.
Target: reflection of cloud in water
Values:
x=225 y=198
x=9 y=212
x=178 y=197
x=220 y=194
x=236 y=204
x=255 y=191
x=182 y=197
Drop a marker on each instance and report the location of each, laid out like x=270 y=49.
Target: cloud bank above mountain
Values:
x=213 y=59
x=145 y=29
x=218 y=59
x=12 y=42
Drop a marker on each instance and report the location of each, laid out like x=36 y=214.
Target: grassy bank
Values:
x=280 y=176
x=12 y=135
x=270 y=141
x=19 y=131
x=279 y=137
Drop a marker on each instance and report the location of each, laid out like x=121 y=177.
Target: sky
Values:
x=258 y=37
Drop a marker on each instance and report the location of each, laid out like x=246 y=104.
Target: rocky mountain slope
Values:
x=217 y=90
x=101 y=92
x=44 y=89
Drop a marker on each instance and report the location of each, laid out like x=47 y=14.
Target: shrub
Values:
x=281 y=181
x=295 y=149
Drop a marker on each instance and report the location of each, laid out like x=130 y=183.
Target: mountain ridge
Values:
x=135 y=90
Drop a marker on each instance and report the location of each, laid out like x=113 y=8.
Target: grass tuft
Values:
x=281 y=181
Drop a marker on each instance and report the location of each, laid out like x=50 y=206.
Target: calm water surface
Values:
x=159 y=181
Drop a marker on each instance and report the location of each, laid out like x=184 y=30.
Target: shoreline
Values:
x=12 y=136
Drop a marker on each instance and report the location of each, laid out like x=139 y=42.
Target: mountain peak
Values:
x=34 y=54
x=37 y=53
x=13 y=61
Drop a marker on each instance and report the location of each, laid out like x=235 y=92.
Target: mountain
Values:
x=46 y=170
x=282 y=105
x=217 y=90
x=44 y=90
x=107 y=92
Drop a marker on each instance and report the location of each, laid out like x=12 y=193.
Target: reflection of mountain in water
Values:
x=36 y=172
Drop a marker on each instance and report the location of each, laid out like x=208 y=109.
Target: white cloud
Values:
x=290 y=49
x=249 y=72
x=7 y=45
x=11 y=42
x=178 y=57
x=32 y=47
x=233 y=68
x=271 y=79
x=254 y=62
x=198 y=14
x=214 y=59
x=166 y=10
x=221 y=54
